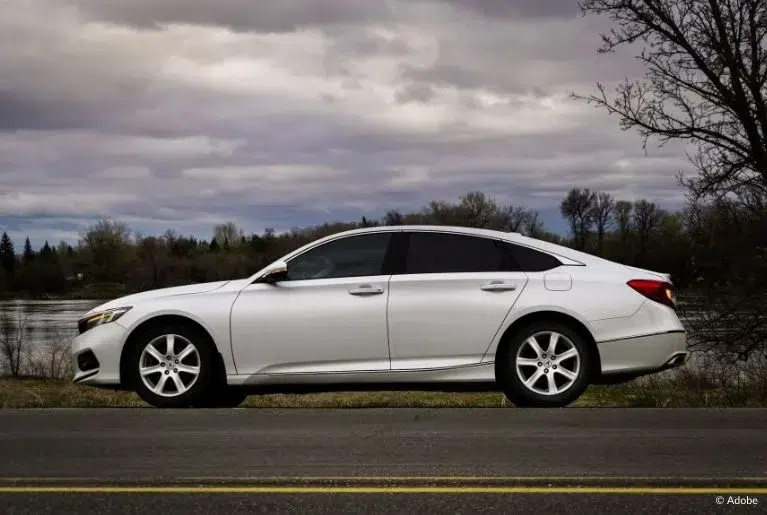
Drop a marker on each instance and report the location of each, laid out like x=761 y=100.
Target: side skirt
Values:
x=474 y=378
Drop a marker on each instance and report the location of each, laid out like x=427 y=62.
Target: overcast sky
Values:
x=183 y=114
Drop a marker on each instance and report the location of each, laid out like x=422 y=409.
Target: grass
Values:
x=710 y=383
x=36 y=393
x=678 y=390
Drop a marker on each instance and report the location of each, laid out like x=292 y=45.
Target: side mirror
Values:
x=276 y=272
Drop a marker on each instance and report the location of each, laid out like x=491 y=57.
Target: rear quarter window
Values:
x=531 y=260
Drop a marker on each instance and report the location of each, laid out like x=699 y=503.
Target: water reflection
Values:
x=47 y=319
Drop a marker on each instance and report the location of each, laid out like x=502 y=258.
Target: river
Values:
x=46 y=320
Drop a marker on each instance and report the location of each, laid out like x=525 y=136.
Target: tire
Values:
x=222 y=397
x=520 y=361
x=199 y=352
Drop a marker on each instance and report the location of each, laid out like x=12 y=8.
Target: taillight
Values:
x=659 y=291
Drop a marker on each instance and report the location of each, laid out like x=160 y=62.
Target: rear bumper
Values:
x=643 y=354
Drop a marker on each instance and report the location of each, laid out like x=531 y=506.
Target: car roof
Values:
x=566 y=254
x=433 y=227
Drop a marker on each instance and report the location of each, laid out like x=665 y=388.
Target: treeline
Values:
x=108 y=259
x=716 y=254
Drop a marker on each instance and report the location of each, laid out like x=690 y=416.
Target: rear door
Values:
x=449 y=299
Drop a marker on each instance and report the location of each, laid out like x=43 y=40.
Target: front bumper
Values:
x=96 y=355
x=641 y=354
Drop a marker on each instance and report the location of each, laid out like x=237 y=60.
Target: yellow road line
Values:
x=378 y=490
x=475 y=479
x=33 y=479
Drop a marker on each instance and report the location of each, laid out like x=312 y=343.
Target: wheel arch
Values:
x=551 y=316
x=160 y=321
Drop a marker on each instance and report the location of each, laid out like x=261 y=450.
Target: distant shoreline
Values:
x=62 y=298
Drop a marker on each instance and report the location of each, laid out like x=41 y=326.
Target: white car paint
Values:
x=441 y=322
x=310 y=326
x=400 y=328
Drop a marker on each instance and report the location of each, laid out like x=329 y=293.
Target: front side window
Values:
x=352 y=256
x=433 y=253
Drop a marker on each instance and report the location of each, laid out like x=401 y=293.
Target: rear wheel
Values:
x=546 y=364
x=173 y=366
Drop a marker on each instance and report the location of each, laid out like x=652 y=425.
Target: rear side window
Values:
x=526 y=259
x=432 y=253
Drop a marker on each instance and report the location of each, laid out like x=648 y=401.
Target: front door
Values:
x=328 y=316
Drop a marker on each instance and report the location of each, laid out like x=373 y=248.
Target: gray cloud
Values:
x=181 y=114
x=535 y=9
x=240 y=15
x=291 y=15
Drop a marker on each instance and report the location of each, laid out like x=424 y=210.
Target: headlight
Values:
x=103 y=317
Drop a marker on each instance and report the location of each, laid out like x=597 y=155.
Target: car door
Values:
x=329 y=315
x=449 y=299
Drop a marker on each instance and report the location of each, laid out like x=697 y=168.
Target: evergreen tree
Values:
x=45 y=252
x=28 y=254
x=7 y=255
x=50 y=275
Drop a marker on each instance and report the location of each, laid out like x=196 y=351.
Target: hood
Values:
x=130 y=300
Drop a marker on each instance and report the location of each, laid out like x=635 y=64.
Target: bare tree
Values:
x=52 y=360
x=514 y=218
x=576 y=207
x=478 y=209
x=706 y=69
x=623 y=210
x=601 y=213
x=647 y=217
x=14 y=334
x=106 y=246
x=442 y=212
x=533 y=226
x=730 y=318
x=705 y=85
x=227 y=234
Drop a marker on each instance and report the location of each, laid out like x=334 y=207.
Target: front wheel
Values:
x=547 y=364
x=172 y=366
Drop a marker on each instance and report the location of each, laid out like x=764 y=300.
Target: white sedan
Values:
x=395 y=307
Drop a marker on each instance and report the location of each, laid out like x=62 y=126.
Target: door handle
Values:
x=498 y=286
x=365 y=289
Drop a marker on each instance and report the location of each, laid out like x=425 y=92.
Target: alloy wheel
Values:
x=169 y=365
x=548 y=363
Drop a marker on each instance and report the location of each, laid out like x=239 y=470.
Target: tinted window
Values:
x=529 y=260
x=354 y=256
x=452 y=253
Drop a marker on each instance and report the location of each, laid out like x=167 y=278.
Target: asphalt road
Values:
x=382 y=461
